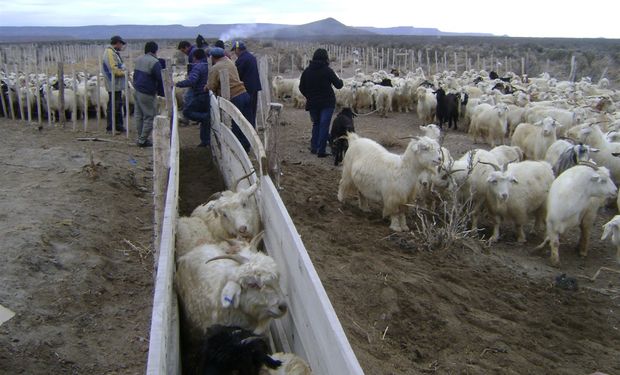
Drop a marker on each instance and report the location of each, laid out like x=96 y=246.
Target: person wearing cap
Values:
x=148 y=84
x=112 y=65
x=238 y=95
x=220 y=43
x=198 y=107
x=248 y=73
x=315 y=84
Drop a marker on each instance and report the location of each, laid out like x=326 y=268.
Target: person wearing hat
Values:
x=112 y=65
x=248 y=73
x=148 y=84
x=220 y=43
x=238 y=96
x=315 y=84
x=198 y=107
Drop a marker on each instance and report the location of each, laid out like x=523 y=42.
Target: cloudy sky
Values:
x=529 y=18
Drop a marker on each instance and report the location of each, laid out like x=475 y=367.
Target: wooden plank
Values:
x=164 y=351
x=161 y=156
x=314 y=329
x=248 y=131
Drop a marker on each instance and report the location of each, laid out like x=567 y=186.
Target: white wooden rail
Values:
x=311 y=328
x=164 y=347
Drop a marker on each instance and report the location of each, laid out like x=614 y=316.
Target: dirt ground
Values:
x=76 y=265
x=470 y=309
x=75 y=259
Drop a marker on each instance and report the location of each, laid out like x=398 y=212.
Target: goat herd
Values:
x=562 y=138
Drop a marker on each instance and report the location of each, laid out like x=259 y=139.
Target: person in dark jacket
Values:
x=248 y=73
x=148 y=84
x=316 y=85
x=198 y=107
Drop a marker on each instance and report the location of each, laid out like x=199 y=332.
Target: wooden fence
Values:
x=311 y=328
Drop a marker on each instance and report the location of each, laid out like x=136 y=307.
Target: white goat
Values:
x=563 y=154
x=535 y=139
x=490 y=122
x=612 y=227
x=232 y=214
x=518 y=193
x=229 y=289
x=574 y=199
x=375 y=173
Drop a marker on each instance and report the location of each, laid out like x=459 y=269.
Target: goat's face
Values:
x=500 y=183
x=427 y=151
x=259 y=293
x=239 y=213
x=548 y=126
x=601 y=184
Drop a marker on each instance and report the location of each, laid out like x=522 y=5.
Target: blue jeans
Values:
x=242 y=102
x=321 y=119
x=198 y=108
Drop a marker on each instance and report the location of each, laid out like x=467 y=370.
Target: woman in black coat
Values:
x=316 y=85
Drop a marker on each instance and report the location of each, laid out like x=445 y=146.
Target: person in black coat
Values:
x=248 y=73
x=316 y=85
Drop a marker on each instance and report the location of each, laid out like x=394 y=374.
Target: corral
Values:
x=406 y=306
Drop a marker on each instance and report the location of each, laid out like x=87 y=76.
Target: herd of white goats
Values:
x=559 y=169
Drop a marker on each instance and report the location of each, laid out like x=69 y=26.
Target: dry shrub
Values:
x=444 y=227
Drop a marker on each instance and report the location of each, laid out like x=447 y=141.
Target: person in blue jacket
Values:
x=198 y=108
x=248 y=73
x=148 y=84
x=315 y=84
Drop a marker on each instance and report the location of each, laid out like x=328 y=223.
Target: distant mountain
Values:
x=410 y=30
x=328 y=27
x=325 y=27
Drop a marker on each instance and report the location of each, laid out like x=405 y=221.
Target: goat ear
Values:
x=514 y=180
x=230 y=295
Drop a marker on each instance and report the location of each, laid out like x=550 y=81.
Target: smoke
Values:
x=239 y=31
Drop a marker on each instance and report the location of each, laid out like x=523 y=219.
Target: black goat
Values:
x=343 y=123
x=234 y=350
x=447 y=108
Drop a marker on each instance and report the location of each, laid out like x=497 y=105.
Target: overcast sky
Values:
x=529 y=18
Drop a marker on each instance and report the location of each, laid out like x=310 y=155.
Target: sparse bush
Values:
x=446 y=226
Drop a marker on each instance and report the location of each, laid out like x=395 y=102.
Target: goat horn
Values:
x=568 y=139
x=256 y=240
x=250 y=340
x=589 y=164
x=236 y=257
x=234 y=186
x=215 y=196
x=491 y=164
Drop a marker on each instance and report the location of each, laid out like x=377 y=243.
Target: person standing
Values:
x=148 y=84
x=198 y=108
x=316 y=85
x=112 y=65
x=248 y=73
x=238 y=96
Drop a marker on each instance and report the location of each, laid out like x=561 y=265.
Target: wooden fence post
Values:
x=61 y=93
x=271 y=138
x=161 y=156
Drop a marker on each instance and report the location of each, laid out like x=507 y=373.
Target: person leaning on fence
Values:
x=198 y=107
x=112 y=65
x=148 y=84
x=248 y=73
x=238 y=96
x=315 y=84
